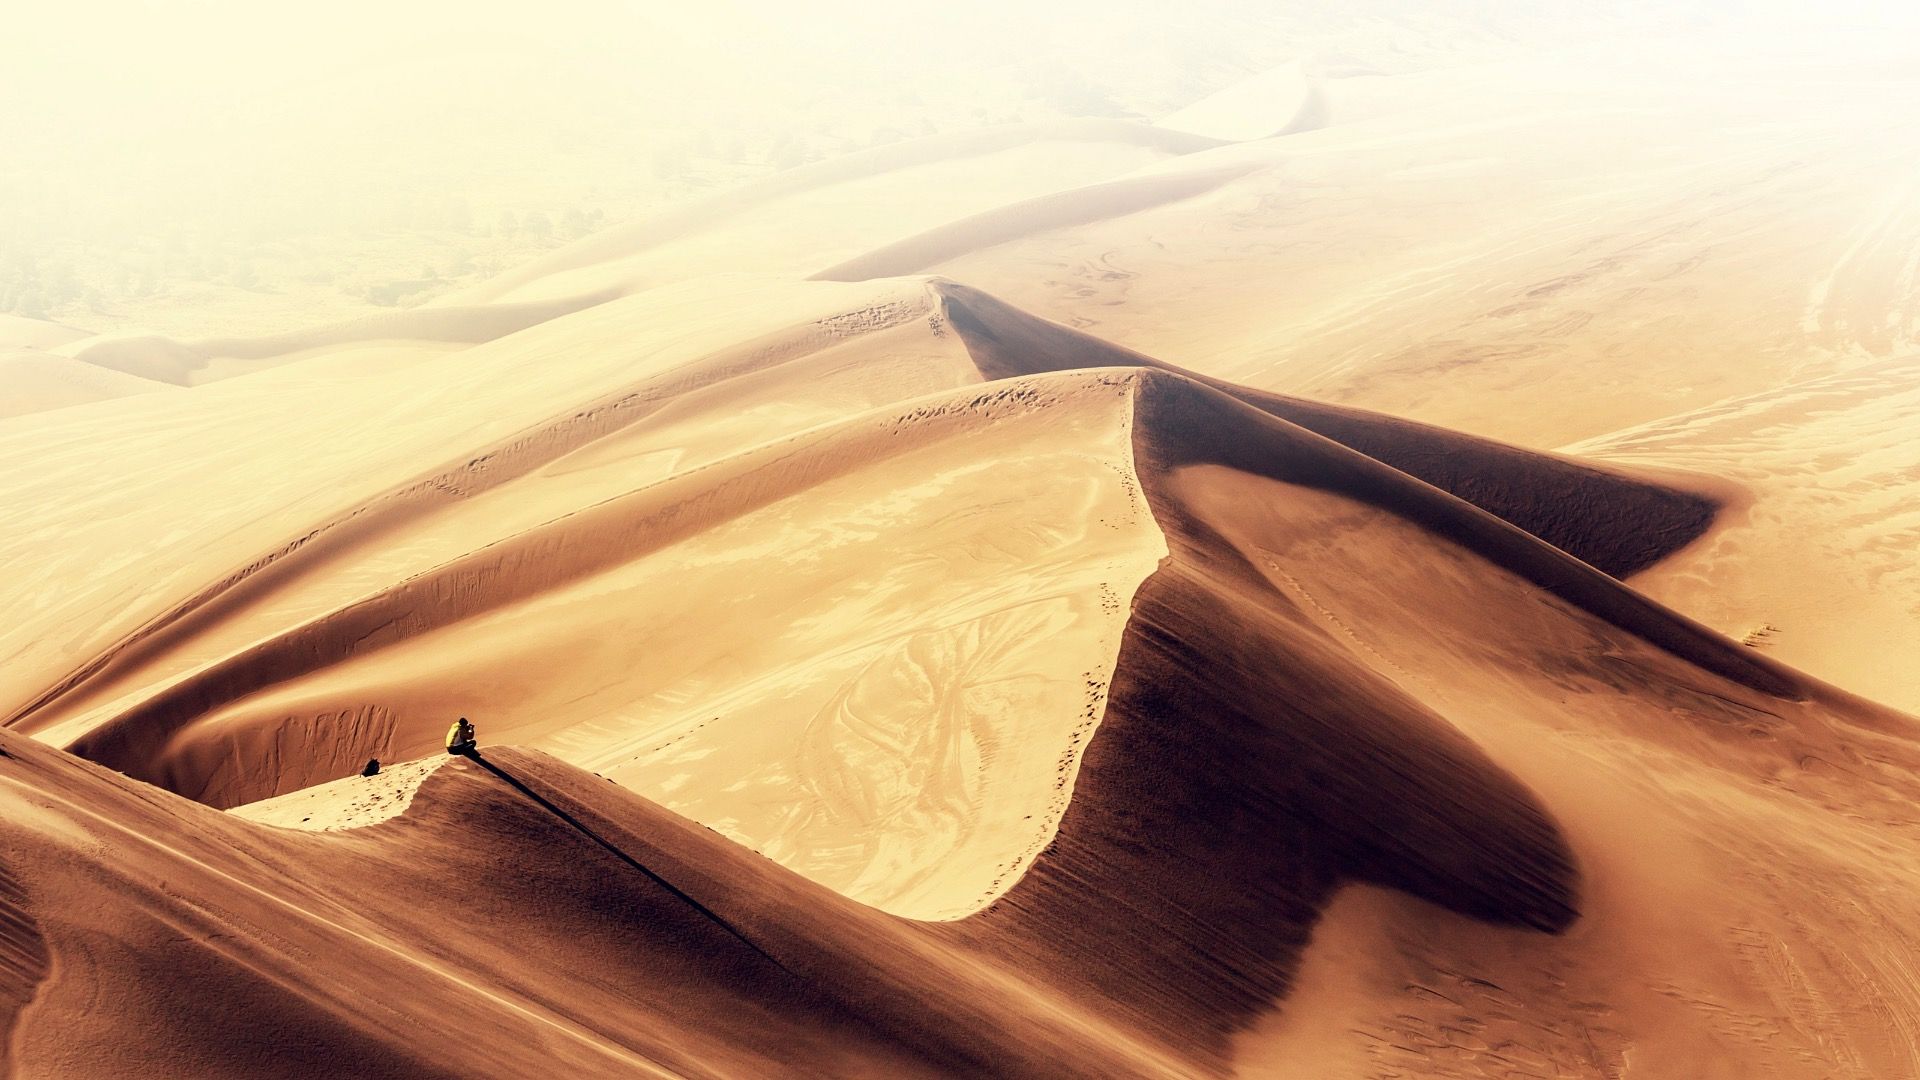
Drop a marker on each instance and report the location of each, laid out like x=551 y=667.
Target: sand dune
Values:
x=300 y=660
x=1280 y=101
x=189 y=362
x=783 y=224
x=1612 y=519
x=1088 y=599
x=946 y=172
x=1100 y=202
x=1290 y=630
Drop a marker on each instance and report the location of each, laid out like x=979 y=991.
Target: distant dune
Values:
x=1100 y=202
x=943 y=171
x=186 y=363
x=1281 y=101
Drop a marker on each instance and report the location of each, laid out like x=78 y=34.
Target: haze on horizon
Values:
x=225 y=166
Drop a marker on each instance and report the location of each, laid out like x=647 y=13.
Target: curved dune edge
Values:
x=137 y=737
x=449 y=482
x=161 y=735
x=1028 y=988
x=1609 y=518
x=166 y=360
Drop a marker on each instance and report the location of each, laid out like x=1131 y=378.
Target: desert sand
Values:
x=1399 y=570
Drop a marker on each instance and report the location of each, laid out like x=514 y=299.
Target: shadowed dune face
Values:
x=23 y=959
x=1244 y=745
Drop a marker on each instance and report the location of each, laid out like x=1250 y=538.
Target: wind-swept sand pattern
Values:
x=1839 y=451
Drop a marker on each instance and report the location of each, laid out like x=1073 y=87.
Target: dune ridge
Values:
x=178 y=362
x=1051 y=667
x=942 y=997
x=1606 y=517
x=1081 y=206
x=1046 y=911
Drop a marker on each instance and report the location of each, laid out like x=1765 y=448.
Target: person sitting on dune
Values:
x=460 y=737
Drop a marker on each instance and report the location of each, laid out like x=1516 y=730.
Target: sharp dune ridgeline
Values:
x=1361 y=578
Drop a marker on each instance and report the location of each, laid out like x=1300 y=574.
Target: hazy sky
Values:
x=127 y=62
x=127 y=125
